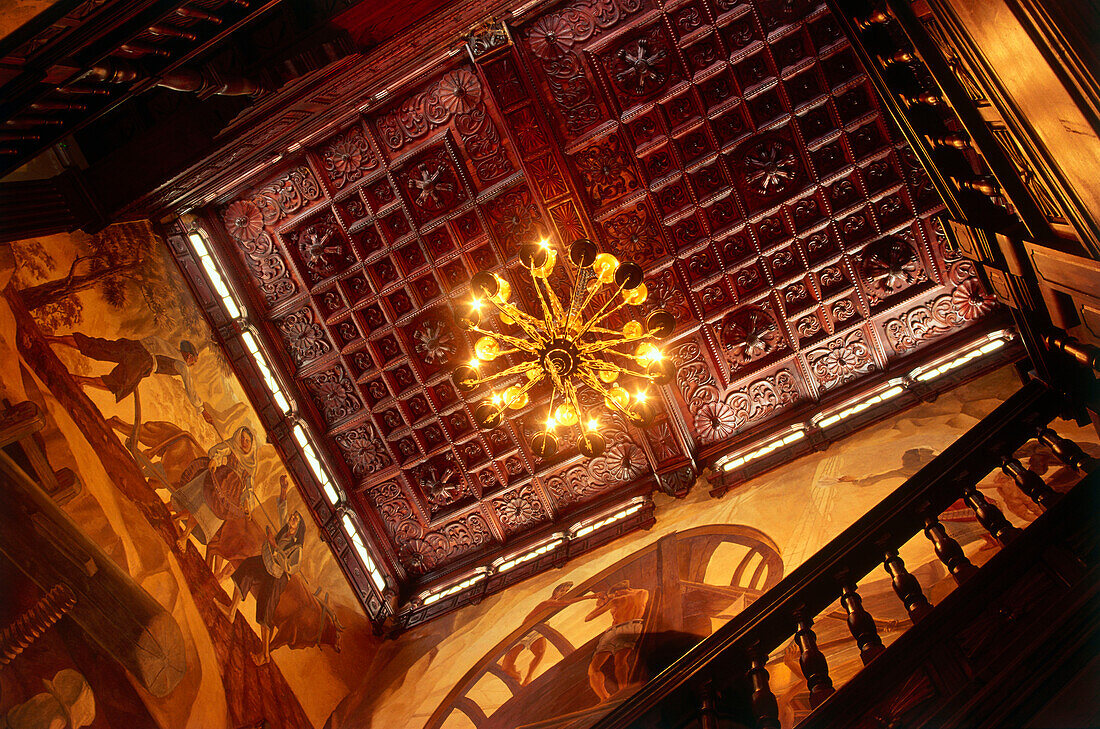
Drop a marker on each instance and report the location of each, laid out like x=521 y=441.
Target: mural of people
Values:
x=627 y=608
x=134 y=361
x=220 y=487
x=535 y=641
x=267 y=574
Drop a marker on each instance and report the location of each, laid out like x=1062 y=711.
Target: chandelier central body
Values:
x=568 y=345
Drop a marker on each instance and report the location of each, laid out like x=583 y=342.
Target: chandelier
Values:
x=568 y=346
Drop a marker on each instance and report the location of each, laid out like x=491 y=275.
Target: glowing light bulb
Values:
x=608 y=376
x=544 y=243
x=617 y=397
x=475 y=304
x=497 y=399
x=516 y=397
x=641 y=395
x=593 y=424
x=504 y=289
x=475 y=362
x=551 y=424
x=636 y=296
x=632 y=329
x=487 y=348
x=566 y=414
x=604 y=266
x=547 y=268
x=647 y=353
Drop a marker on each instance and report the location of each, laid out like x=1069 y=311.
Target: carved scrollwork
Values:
x=634 y=236
x=457 y=95
x=606 y=170
x=268 y=268
x=966 y=302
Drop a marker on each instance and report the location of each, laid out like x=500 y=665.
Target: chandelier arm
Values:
x=603 y=313
x=513 y=370
x=526 y=322
x=573 y=297
x=572 y=393
x=547 y=318
x=601 y=345
x=555 y=305
x=516 y=342
x=608 y=401
x=616 y=368
x=505 y=404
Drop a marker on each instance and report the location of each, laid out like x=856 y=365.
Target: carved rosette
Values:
x=640 y=68
x=519 y=509
x=749 y=335
x=433 y=342
x=769 y=166
x=347 y=157
x=633 y=236
x=888 y=266
x=606 y=171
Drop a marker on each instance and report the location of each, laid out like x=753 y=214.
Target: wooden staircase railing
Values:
x=725 y=674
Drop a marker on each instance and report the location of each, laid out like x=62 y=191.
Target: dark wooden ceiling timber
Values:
x=735 y=150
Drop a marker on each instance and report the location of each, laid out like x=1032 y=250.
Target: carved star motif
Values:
x=430 y=187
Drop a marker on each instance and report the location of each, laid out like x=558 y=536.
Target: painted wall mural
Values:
x=159 y=568
x=561 y=649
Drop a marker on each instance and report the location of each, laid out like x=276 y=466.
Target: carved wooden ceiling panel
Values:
x=735 y=150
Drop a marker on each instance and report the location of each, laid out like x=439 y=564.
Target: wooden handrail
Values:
x=859 y=549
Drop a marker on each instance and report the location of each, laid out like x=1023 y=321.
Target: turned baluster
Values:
x=815 y=669
x=906 y=587
x=764 y=705
x=1031 y=483
x=985 y=184
x=989 y=516
x=949 y=551
x=861 y=624
x=1067 y=451
x=708 y=708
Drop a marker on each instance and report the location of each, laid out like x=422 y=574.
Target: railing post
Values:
x=949 y=551
x=906 y=587
x=815 y=669
x=1030 y=483
x=765 y=708
x=1067 y=451
x=861 y=624
x=708 y=710
x=989 y=516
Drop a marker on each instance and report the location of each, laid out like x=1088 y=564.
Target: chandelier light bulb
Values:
x=608 y=376
x=636 y=296
x=632 y=329
x=516 y=397
x=475 y=362
x=647 y=353
x=618 y=396
x=566 y=414
x=496 y=398
x=486 y=348
x=504 y=289
x=593 y=424
x=604 y=267
x=641 y=396
x=547 y=268
x=551 y=423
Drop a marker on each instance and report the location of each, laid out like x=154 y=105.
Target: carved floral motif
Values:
x=519 y=509
x=641 y=67
x=749 y=335
x=363 y=450
x=888 y=266
x=347 y=157
x=606 y=171
x=634 y=236
x=334 y=393
x=304 y=337
x=433 y=342
x=841 y=360
x=769 y=166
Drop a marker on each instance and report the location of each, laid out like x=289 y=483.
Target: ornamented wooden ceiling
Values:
x=733 y=149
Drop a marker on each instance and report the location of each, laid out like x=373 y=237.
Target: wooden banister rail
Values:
x=739 y=648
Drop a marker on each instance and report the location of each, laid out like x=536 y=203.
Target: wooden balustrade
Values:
x=793 y=604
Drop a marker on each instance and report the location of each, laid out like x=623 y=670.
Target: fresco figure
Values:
x=535 y=641
x=134 y=361
x=67 y=703
x=267 y=574
x=216 y=486
x=627 y=607
x=912 y=461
